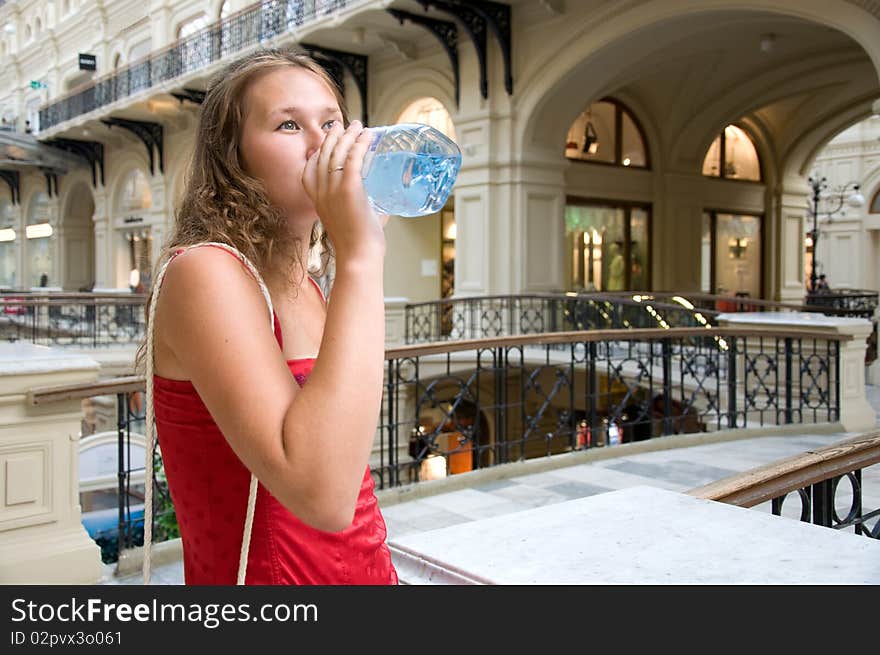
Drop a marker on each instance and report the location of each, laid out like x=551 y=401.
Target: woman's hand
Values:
x=332 y=179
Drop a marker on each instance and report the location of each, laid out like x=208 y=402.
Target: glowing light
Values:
x=7 y=235
x=38 y=231
x=684 y=302
x=433 y=467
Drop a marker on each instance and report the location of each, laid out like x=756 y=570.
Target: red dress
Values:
x=209 y=488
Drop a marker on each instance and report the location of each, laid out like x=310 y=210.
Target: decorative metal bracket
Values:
x=474 y=24
x=150 y=133
x=445 y=31
x=13 y=179
x=51 y=176
x=337 y=60
x=195 y=96
x=498 y=17
x=91 y=151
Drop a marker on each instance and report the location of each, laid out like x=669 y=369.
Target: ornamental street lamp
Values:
x=833 y=204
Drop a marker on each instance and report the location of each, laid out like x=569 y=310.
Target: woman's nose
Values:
x=315 y=139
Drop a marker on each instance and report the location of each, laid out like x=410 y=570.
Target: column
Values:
x=42 y=540
x=508 y=214
x=792 y=223
x=103 y=230
x=679 y=229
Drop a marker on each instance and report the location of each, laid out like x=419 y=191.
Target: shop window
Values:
x=7 y=245
x=607 y=133
x=733 y=156
x=732 y=254
x=135 y=192
x=38 y=233
x=607 y=245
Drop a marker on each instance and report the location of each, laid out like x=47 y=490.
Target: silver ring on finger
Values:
x=335 y=168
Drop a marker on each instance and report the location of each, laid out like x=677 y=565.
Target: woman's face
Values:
x=287 y=113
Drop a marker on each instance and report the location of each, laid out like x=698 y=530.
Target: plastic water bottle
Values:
x=409 y=169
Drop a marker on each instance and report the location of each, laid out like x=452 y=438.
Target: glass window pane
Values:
x=638 y=249
x=597 y=123
x=40 y=262
x=38 y=210
x=7 y=264
x=875 y=204
x=740 y=157
x=706 y=255
x=738 y=255
x=712 y=162
x=136 y=192
x=594 y=237
x=633 y=152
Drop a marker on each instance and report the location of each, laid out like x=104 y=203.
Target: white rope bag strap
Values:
x=150 y=422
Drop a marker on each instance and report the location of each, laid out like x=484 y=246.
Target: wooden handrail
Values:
x=44 y=395
x=779 y=478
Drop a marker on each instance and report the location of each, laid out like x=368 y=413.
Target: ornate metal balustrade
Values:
x=485 y=317
x=255 y=24
x=79 y=319
x=815 y=477
x=453 y=408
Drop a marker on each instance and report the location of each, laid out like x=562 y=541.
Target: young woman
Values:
x=294 y=400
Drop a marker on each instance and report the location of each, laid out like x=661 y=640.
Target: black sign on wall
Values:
x=87 y=62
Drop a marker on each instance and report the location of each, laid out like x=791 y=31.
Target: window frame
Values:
x=722 y=156
x=619 y=109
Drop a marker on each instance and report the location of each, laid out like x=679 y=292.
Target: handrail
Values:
x=44 y=395
x=784 y=476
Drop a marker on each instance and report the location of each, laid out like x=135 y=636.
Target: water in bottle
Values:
x=409 y=169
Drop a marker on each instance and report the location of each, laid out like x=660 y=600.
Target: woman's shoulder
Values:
x=195 y=275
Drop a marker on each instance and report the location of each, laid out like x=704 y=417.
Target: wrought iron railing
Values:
x=453 y=408
x=852 y=302
x=484 y=317
x=474 y=404
x=258 y=23
x=76 y=319
x=815 y=477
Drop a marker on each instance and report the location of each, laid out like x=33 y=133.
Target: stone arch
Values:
x=410 y=86
x=621 y=41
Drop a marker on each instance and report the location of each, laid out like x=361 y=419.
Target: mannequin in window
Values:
x=616 y=269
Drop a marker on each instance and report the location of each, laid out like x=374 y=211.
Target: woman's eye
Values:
x=288 y=125
x=330 y=123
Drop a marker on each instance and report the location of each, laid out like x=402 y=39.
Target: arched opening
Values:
x=38 y=243
x=733 y=156
x=689 y=74
x=78 y=245
x=134 y=240
x=875 y=203
x=607 y=132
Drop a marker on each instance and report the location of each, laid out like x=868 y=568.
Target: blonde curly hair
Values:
x=221 y=202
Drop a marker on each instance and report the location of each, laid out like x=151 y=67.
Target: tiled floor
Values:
x=676 y=469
